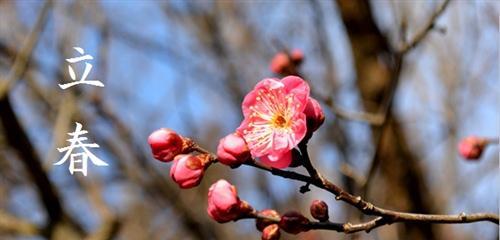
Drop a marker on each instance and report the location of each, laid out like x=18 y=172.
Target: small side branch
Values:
x=430 y=24
x=385 y=216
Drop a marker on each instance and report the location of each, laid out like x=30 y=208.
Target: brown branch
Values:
x=15 y=225
x=339 y=227
x=348 y=227
x=387 y=216
x=384 y=216
x=368 y=208
x=379 y=221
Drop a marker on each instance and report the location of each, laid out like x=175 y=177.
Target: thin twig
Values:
x=22 y=59
x=374 y=119
x=419 y=37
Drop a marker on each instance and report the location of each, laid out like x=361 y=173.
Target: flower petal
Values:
x=282 y=141
x=251 y=98
x=299 y=88
x=277 y=161
x=299 y=128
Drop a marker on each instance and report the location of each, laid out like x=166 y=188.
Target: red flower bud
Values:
x=472 y=147
x=319 y=210
x=165 y=144
x=224 y=204
x=280 y=63
x=314 y=115
x=271 y=232
x=232 y=150
x=261 y=223
x=294 y=222
x=187 y=170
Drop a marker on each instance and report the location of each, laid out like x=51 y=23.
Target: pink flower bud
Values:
x=187 y=170
x=271 y=232
x=319 y=210
x=472 y=147
x=224 y=204
x=294 y=222
x=260 y=223
x=232 y=150
x=280 y=63
x=297 y=56
x=314 y=115
x=165 y=144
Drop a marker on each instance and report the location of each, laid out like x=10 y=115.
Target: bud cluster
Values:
x=286 y=63
x=187 y=169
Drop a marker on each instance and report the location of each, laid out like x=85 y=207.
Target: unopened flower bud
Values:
x=294 y=222
x=319 y=210
x=472 y=147
x=280 y=63
x=166 y=144
x=314 y=115
x=187 y=170
x=224 y=204
x=271 y=232
x=232 y=150
x=297 y=56
x=261 y=223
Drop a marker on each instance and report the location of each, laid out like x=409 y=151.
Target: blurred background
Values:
x=187 y=65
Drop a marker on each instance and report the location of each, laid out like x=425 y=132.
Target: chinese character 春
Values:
x=78 y=159
x=88 y=67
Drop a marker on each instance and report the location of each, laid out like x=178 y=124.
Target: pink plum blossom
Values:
x=232 y=150
x=187 y=170
x=274 y=119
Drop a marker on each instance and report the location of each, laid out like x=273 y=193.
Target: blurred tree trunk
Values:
x=400 y=183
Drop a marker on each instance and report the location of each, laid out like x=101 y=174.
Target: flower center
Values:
x=279 y=121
